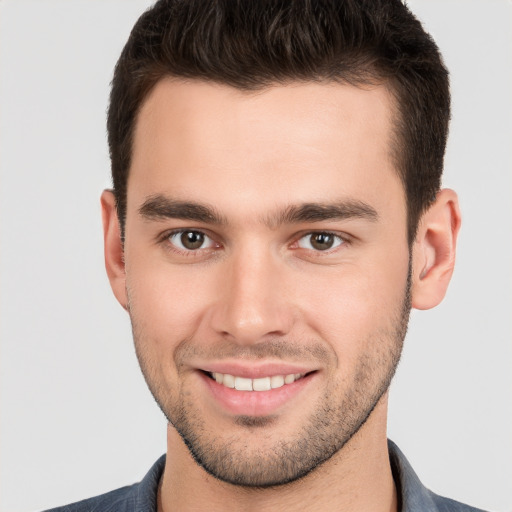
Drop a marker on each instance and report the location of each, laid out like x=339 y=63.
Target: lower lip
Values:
x=255 y=403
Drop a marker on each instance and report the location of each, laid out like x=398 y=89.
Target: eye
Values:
x=189 y=240
x=320 y=241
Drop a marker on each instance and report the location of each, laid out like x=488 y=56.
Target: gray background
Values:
x=76 y=418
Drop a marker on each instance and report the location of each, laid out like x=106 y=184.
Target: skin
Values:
x=258 y=294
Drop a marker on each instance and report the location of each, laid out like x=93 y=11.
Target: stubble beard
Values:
x=232 y=459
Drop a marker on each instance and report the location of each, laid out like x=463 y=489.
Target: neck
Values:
x=358 y=478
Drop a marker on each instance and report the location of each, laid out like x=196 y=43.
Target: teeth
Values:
x=289 y=378
x=261 y=384
x=228 y=380
x=276 y=381
x=242 y=384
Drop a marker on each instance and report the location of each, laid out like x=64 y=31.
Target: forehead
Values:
x=305 y=140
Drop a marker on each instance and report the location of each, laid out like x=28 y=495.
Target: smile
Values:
x=256 y=391
x=260 y=384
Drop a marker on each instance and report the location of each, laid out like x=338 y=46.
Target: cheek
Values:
x=166 y=302
x=351 y=306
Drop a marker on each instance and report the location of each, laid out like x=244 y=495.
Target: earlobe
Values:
x=434 y=250
x=113 y=247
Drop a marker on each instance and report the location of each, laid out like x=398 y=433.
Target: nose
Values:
x=252 y=302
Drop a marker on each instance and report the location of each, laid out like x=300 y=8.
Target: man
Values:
x=276 y=213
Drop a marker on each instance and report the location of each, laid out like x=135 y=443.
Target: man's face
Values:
x=266 y=248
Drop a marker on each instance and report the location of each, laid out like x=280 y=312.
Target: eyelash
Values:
x=165 y=240
x=339 y=240
x=342 y=240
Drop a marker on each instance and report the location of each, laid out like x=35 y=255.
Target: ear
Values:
x=434 y=250
x=114 y=255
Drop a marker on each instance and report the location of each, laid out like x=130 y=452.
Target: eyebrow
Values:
x=318 y=212
x=159 y=207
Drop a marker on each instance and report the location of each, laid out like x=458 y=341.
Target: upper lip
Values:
x=254 y=370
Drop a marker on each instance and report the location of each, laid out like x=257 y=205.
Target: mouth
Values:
x=261 y=395
x=258 y=384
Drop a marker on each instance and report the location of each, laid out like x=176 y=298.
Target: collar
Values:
x=412 y=494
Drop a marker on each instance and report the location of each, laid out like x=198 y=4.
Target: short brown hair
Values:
x=251 y=45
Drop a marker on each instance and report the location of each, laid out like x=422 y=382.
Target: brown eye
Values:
x=191 y=240
x=320 y=241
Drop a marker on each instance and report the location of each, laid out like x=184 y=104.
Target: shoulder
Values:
x=140 y=497
x=122 y=500
x=412 y=494
x=448 y=505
